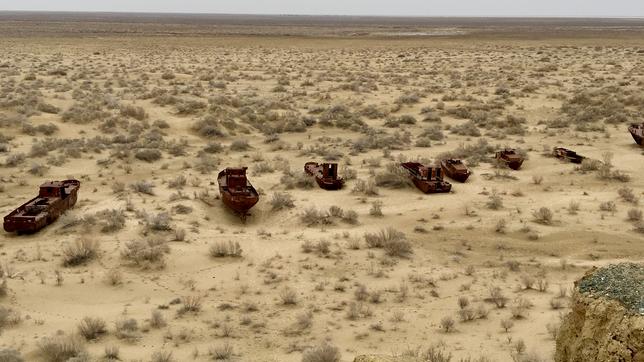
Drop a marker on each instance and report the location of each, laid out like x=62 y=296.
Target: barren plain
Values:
x=150 y=266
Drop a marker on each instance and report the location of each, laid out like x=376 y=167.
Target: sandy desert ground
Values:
x=150 y=266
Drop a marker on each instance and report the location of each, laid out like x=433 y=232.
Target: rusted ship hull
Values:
x=455 y=170
x=429 y=180
x=637 y=131
x=568 y=155
x=54 y=199
x=325 y=175
x=236 y=191
x=510 y=159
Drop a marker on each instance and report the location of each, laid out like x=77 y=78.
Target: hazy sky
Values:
x=598 y=8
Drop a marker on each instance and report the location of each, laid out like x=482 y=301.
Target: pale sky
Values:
x=576 y=8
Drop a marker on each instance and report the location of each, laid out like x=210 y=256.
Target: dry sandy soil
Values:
x=146 y=122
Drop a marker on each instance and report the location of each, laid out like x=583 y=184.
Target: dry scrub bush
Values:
x=190 y=304
x=634 y=215
x=157 y=320
x=313 y=216
x=221 y=353
x=61 y=348
x=495 y=202
x=447 y=324
x=162 y=356
x=288 y=296
x=158 y=222
x=394 y=242
x=146 y=252
x=543 y=216
x=111 y=220
x=143 y=187
x=8 y=317
x=81 y=252
x=282 y=200
x=148 y=155
x=292 y=180
x=393 y=177
x=322 y=353
x=127 y=329
x=92 y=328
x=10 y=355
x=223 y=249
x=627 y=194
x=367 y=188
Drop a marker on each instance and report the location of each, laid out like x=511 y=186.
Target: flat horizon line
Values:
x=146 y=12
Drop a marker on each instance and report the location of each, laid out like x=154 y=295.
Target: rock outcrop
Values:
x=606 y=323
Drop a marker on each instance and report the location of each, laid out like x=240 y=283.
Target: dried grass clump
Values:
x=158 y=222
x=80 y=252
x=394 y=242
x=543 y=216
x=148 y=154
x=239 y=145
x=111 y=220
x=322 y=353
x=143 y=187
x=292 y=180
x=145 y=252
x=133 y=111
x=61 y=348
x=223 y=249
x=92 y=328
x=634 y=215
x=10 y=355
x=190 y=304
x=393 y=177
x=127 y=329
x=313 y=216
x=282 y=200
x=223 y=352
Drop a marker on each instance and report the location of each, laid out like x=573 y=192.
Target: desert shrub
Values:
x=394 y=242
x=394 y=122
x=468 y=128
x=497 y=297
x=8 y=317
x=627 y=194
x=61 y=348
x=92 y=328
x=634 y=215
x=157 y=320
x=608 y=206
x=113 y=277
x=282 y=200
x=376 y=209
x=148 y=155
x=111 y=220
x=143 y=187
x=223 y=352
x=447 y=324
x=127 y=329
x=190 y=304
x=368 y=188
x=495 y=201
x=292 y=180
x=393 y=177
x=213 y=147
x=322 y=353
x=158 y=222
x=133 y=111
x=162 y=356
x=14 y=159
x=10 y=355
x=543 y=216
x=408 y=98
x=288 y=296
x=208 y=127
x=141 y=252
x=223 y=249
x=312 y=216
x=239 y=145
x=80 y=252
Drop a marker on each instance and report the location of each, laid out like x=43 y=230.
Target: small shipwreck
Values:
x=567 y=155
x=236 y=191
x=455 y=169
x=54 y=198
x=509 y=157
x=637 y=131
x=326 y=175
x=427 y=179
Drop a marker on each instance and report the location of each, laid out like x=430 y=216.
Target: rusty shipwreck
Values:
x=455 y=169
x=427 y=179
x=509 y=157
x=326 y=175
x=637 y=131
x=567 y=155
x=236 y=191
x=54 y=198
